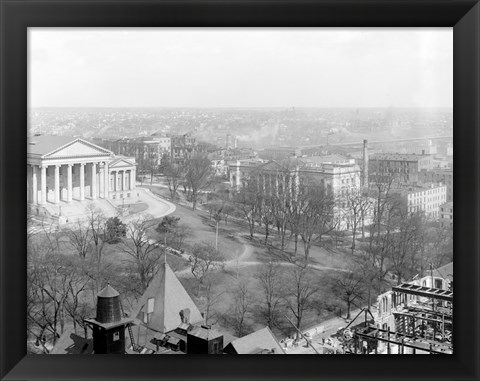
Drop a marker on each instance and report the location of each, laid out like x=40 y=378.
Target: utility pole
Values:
x=216 y=235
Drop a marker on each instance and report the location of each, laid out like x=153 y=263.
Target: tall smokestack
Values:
x=365 y=164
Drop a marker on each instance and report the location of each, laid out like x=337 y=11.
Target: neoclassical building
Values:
x=62 y=168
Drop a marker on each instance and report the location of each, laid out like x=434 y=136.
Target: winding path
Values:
x=241 y=262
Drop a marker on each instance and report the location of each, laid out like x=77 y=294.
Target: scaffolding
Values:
x=423 y=326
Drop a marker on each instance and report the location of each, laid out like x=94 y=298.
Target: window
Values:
x=116 y=336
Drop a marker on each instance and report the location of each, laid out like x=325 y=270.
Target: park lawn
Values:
x=224 y=285
x=203 y=231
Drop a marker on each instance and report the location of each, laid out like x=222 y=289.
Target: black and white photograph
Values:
x=240 y=191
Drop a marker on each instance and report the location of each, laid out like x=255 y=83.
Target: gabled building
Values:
x=262 y=341
x=164 y=313
x=165 y=305
x=63 y=169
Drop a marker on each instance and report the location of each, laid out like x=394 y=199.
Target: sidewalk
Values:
x=326 y=329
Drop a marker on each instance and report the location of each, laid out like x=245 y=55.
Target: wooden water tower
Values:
x=109 y=326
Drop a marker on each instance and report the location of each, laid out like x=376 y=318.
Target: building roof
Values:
x=397 y=156
x=334 y=159
x=42 y=145
x=257 y=341
x=169 y=298
x=72 y=344
x=228 y=338
x=445 y=272
x=108 y=292
x=205 y=333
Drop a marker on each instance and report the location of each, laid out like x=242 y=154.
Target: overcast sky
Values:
x=249 y=67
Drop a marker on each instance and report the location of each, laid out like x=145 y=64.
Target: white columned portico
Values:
x=94 y=181
x=44 y=184
x=57 y=184
x=82 y=181
x=69 y=183
x=34 y=184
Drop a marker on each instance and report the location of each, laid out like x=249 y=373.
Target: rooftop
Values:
x=397 y=156
x=164 y=301
x=256 y=342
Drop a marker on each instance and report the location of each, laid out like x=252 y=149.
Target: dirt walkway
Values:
x=242 y=261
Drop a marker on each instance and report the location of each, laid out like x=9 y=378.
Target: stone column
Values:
x=57 y=184
x=276 y=185
x=132 y=179
x=107 y=180
x=82 y=181
x=69 y=183
x=34 y=185
x=94 y=181
x=44 y=184
x=101 y=193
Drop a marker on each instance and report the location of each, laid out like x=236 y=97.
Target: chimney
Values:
x=365 y=164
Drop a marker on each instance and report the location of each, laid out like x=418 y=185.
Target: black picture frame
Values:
x=18 y=15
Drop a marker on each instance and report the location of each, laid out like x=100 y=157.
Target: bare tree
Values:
x=198 y=177
x=301 y=294
x=49 y=279
x=143 y=251
x=408 y=244
x=247 y=202
x=204 y=259
x=349 y=286
x=271 y=282
x=242 y=307
x=80 y=239
x=357 y=206
x=211 y=298
x=315 y=208
x=97 y=224
x=174 y=176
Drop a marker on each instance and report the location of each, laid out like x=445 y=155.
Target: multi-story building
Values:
x=425 y=199
x=446 y=214
x=338 y=178
x=404 y=168
x=182 y=146
x=444 y=176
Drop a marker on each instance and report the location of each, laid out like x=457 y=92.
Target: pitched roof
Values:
x=169 y=298
x=256 y=342
x=445 y=271
x=42 y=145
x=108 y=292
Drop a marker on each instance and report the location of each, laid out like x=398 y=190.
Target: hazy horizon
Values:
x=240 y=67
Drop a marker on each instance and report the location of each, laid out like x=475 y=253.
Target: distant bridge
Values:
x=370 y=142
x=393 y=140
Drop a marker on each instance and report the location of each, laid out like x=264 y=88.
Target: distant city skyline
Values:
x=241 y=68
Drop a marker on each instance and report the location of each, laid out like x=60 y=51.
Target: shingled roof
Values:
x=169 y=298
x=256 y=342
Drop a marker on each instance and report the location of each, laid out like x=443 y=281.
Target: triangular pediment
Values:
x=271 y=166
x=121 y=163
x=78 y=148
